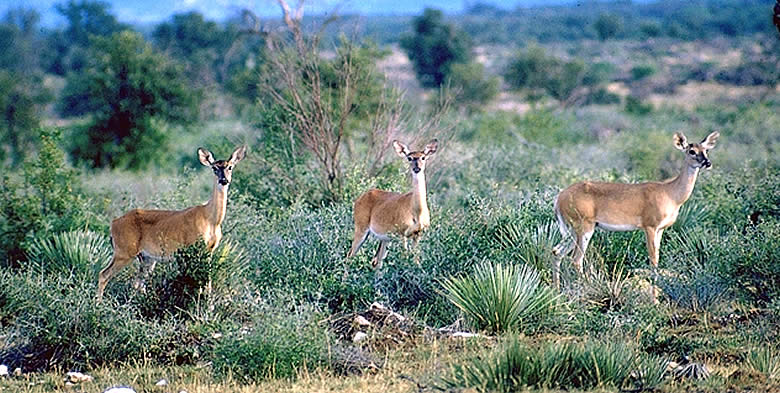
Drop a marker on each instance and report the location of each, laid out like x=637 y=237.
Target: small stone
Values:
x=161 y=382
x=362 y=321
x=18 y=372
x=216 y=335
x=3 y=370
x=465 y=334
x=119 y=389
x=359 y=336
x=77 y=377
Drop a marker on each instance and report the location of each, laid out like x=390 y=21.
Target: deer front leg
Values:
x=381 y=252
x=583 y=236
x=117 y=263
x=653 y=240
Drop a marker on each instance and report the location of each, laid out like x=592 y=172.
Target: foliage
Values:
x=534 y=69
x=640 y=72
x=498 y=298
x=434 y=47
x=279 y=344
x=472 y=87
x=568 y=365
x=608 y=26
x=635 y=106
x=764 y=360
x=134 y=93
x=19 y=114
x=75 y=253
x=48 y=201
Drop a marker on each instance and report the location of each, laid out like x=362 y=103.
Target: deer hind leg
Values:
x=381 y=253
x=561 y=250
x=361 y=234
x=145 y=268
x=583 y=235
x=118 y=262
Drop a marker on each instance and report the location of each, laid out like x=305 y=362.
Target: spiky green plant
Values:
x=764 y=360
x=568 y=365
x=497 y=298
x=533 y=245
x=79 y=253
x=609 y=290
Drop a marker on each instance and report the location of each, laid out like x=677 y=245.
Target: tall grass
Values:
x=568 y=365
x=498 y=298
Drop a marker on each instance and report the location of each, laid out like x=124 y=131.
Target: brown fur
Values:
x=651 y=206
x=159 y=233
x=386 y=213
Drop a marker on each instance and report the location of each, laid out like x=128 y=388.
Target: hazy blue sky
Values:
x=151 y=11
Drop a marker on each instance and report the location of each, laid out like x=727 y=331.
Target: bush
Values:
x=764 y=360
x=635 y=106
x=280 y=344
x=608 y=26
x=534 y=70
x=52 y=323
x=498 y=298
x=641 y=72
x=516 y=366
x=76 y=253
x=602 y=96
x=472 y=87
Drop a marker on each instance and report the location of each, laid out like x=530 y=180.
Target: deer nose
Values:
x=707 y=164
x=223 y=181
x=416 y=169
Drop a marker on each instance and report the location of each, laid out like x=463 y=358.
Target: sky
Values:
x=155 y=11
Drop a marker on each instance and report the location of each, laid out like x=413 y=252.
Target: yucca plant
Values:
x=532 y=245
x=691 y=214
x=764 y=360
x=568 y=365
x=497 y=298
x=79 y=253
x=609 y=290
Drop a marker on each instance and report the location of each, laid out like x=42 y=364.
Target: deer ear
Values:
x=238 y=155
x=431 y=147
x=205 y=157
x=400 y=149
x=680 y=142
x=709 y=142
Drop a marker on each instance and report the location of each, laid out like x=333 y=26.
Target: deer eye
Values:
x=691 y=152
x=230 y=168
x=409 y=158
x=422 y=158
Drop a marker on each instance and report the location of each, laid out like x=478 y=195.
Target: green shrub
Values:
x=602 y=96
x=764 y=360
x=54 y=322
x=78 y=253
x=498 y=298
x=635 y=106
x=515 y=366
x=641 y=72
x=280 y=344
x=472 y=87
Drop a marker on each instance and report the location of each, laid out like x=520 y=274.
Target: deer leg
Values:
x=653 y=238
x=415 y=248
x=360 y=236
x=381 y=252
x=117 y=263
x=560 y=251
x=583 y=238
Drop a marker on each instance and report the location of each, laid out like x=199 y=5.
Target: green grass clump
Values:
x=764 y=360
x=497 y=298
x=279 y=344
x=568 y=365
x=80 y=253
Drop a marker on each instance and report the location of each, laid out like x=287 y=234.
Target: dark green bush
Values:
x=279 y=344
x=601 y=96
x=635 y=106
x=642 y=71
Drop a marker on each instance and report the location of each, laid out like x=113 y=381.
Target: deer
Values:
x=156 y=234
x=650 y=206
x=385 y=213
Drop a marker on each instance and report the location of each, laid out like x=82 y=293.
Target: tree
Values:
x=133 y=93
x=608 y=26
x=86 y=18
x=434 y=46
x=472 y=88
x=535 y=70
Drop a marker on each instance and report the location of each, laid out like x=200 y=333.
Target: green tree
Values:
x=472 y=88
x=608 y=26
x=434 y=46
x=133 y=93
x=535 y=70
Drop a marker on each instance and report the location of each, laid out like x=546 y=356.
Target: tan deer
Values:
x=156 y=234
x=651 y=207
x=384 y=213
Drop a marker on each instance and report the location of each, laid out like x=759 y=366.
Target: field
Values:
x=277 y=305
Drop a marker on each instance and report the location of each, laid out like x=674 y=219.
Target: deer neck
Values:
x=419 y=194
x=217 y=205
x=681 y=187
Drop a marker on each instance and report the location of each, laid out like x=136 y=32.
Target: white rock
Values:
x=465 y=334
x=119 y=389
x=359 y=336
x=77 y=377
x=161 y=382
x=3 y=370
x=362 y=321
x=18 y=372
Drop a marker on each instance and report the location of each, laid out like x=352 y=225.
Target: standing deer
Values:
x=383 y=213
x=651 y=207
x=158 y=233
